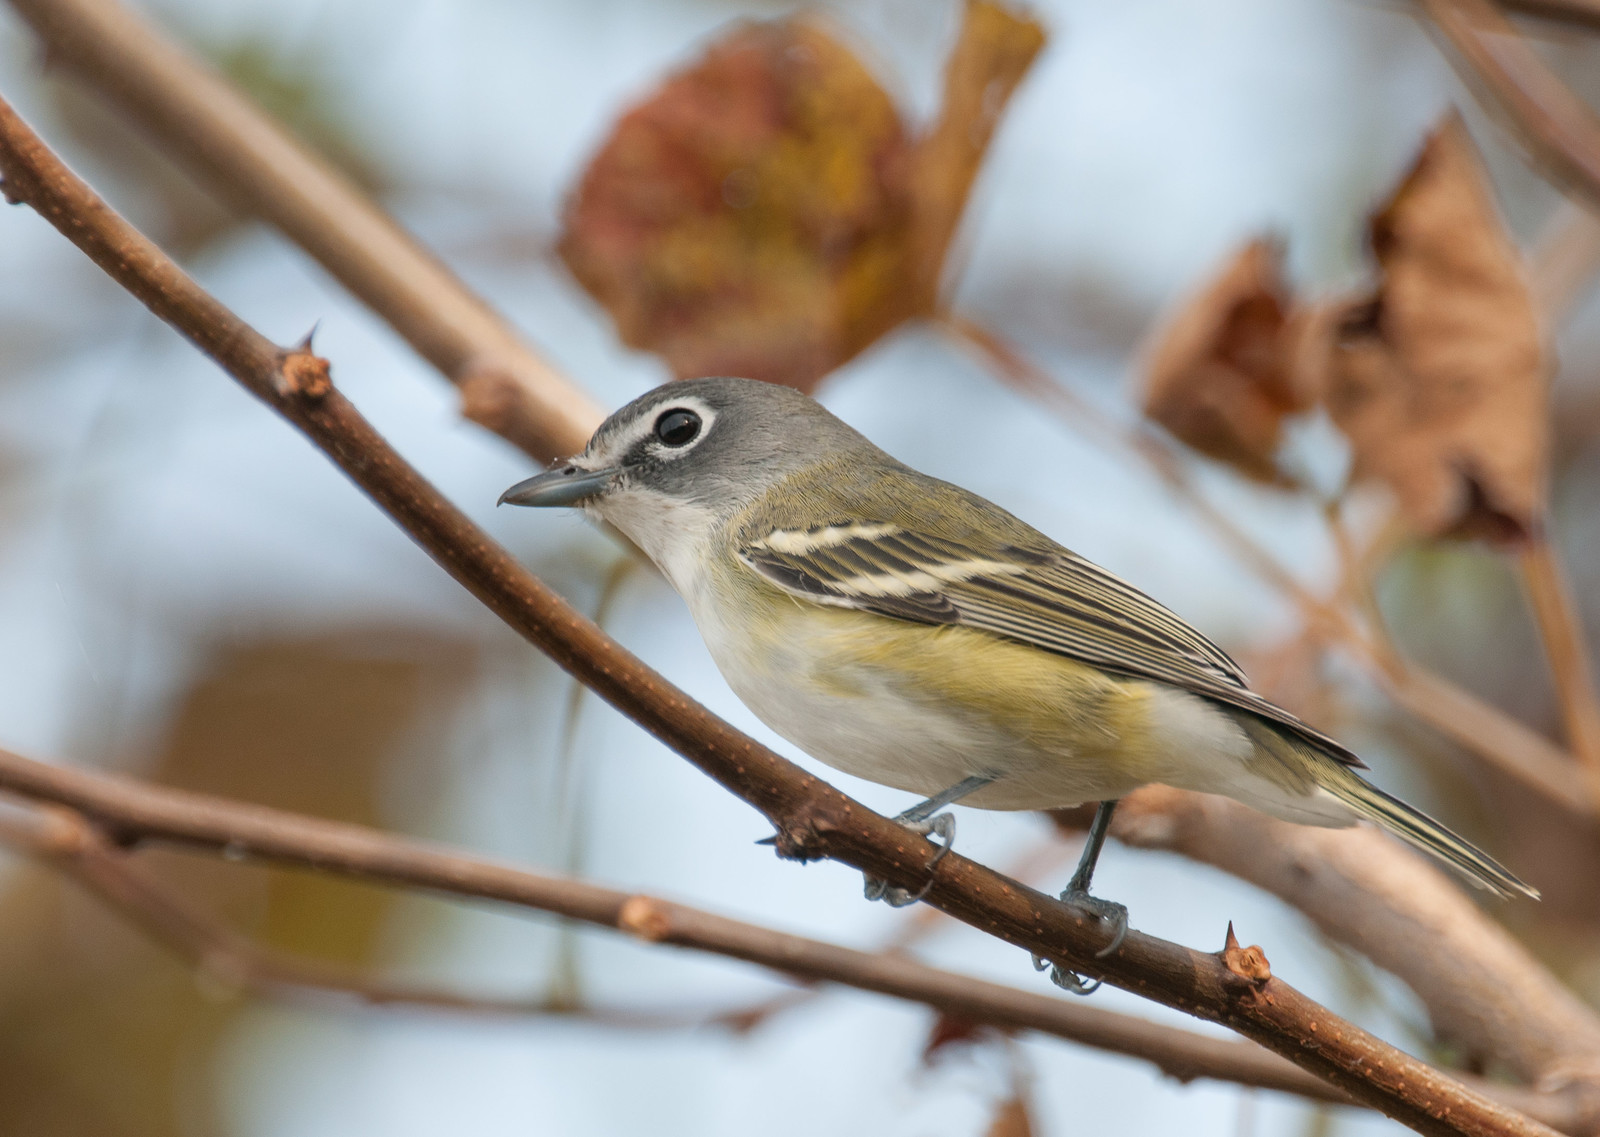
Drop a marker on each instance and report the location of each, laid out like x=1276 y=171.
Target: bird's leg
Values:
x=918 y=820
x=1077 y=894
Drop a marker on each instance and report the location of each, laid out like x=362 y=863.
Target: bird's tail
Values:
x=1417 y=828
x=1370 y=803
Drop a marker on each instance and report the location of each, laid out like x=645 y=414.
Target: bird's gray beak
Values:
x=565 y=485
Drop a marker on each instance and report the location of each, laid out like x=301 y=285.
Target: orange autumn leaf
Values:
x=1439 y=379
x=1221 y=374
x=765 y=212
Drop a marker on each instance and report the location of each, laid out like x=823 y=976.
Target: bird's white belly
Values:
x=860 y=719
x=874 y=732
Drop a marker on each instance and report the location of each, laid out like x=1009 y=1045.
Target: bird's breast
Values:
x=920 y=707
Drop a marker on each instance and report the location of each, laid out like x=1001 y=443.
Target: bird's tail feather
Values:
x=1417 y=828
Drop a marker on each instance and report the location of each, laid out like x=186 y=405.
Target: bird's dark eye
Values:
x=678 y=428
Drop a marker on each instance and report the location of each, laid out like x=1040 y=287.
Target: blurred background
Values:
x=190 y=592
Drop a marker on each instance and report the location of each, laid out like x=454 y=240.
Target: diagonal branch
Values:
x=1560 y=623
x=813 y=819
x=203 y=122
x=1584 y=14
x=1482 y=988
x=1559 y=131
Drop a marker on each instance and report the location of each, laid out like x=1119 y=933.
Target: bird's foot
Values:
x=942 y=825
x=1109 y=913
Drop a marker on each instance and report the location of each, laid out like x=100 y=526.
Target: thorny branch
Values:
x=1482 y=988
x=135 y=813
x=97 y=813
x=812 y=818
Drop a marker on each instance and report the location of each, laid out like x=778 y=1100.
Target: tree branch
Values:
x=813 y=819
x=1481 y=987
x=204 y=123
x=1560 y=622
x=65 y=840
x=135 y=813
x=75 y=838
x=1583 y=14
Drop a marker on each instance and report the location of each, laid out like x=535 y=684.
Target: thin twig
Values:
x=1560 y=622
x=1582 y=14
x=1557 y=129
x=137 y=812
x=204 y=123
x=812 y=818
x=77 y=842
x=1564 y=261
x=1483 y=729
x=65 y=840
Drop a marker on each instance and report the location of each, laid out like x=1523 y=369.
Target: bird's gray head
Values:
x=681 y=457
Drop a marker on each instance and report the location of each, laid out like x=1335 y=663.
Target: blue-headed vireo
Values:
x=906 y=631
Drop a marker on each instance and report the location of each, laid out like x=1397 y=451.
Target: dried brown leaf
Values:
x=764 y=212
x=751 y=217
x=1012 y=1119
x=1221 y=374
x=1440 y=378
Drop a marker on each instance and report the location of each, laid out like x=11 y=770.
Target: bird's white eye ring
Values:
x=678 y=426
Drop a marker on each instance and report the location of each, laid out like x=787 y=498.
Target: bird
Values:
x=904 y=630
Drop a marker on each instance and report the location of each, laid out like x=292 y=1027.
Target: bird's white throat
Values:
x=673 y=533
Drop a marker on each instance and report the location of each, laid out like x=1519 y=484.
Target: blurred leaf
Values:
x=764 y=213
x=1221 y=375
x=1439 y=379
x=1012 y=1119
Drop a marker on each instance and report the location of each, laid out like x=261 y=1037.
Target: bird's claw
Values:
x=1065 y=979
x=941 y=825
x=1107 y=912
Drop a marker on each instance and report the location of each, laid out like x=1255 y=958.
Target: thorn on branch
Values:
x=799 y=838
x=1248 y=963
x=645 y=918
x=305 y=342
x=304 y=375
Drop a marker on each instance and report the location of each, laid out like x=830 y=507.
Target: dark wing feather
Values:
x=1048 y=597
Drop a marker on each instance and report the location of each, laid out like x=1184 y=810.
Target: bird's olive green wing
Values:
x=1038 y=593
